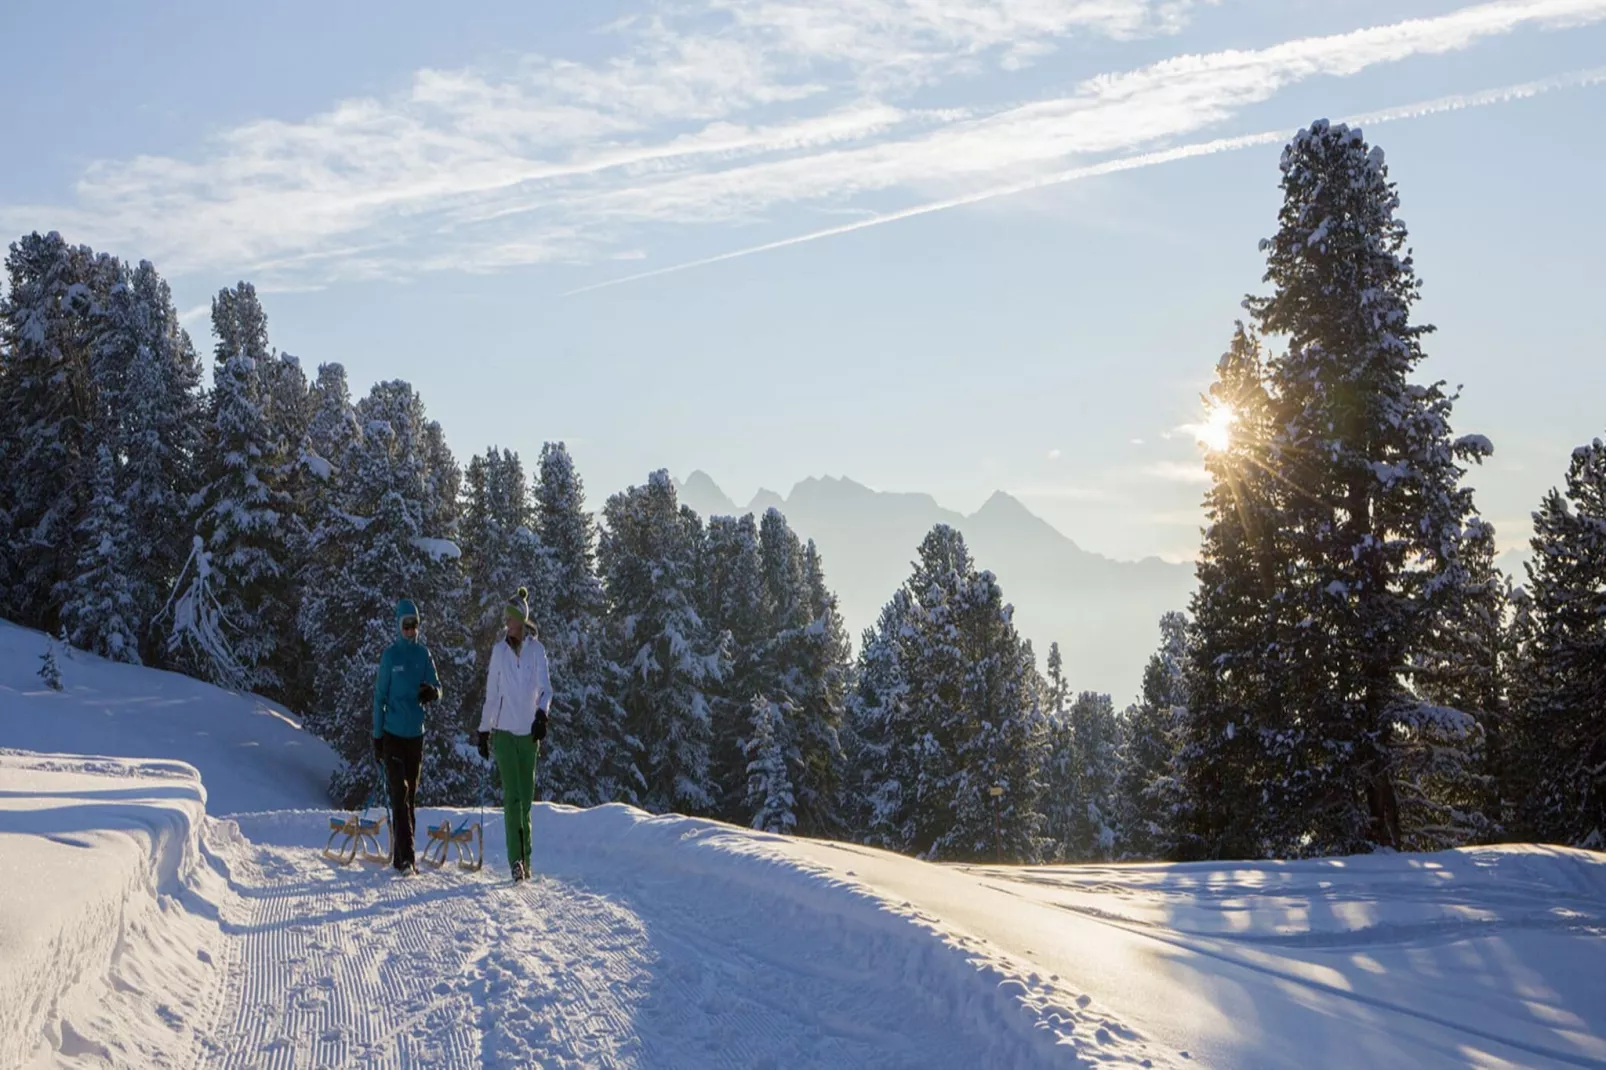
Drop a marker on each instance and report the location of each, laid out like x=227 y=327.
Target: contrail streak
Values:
x=1459 y=102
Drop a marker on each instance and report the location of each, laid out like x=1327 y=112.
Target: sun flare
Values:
x=1215 y=434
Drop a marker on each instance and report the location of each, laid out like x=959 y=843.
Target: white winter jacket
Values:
x=516 y=687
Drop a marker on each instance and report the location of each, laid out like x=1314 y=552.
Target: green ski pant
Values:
x=515 y=759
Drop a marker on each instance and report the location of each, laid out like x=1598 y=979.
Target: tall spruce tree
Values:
x=160 y=437
x=1238 y=758
x=1451 y=754
x=1369 y=512
x=735 y=599
x=824 y=666
x=877 y=715
x=501 y=552
x=242 y=514
x=966 y=719
x=587 y=719
x=1563 y=715
x=1151 y=797
x=99 y=610
x=768 y=791
x=1059 y=761
x=1095 y=757
x=649 y=560
x=48 y=419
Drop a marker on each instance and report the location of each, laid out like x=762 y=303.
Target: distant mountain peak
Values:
x=704 y=496
x=1003 y=504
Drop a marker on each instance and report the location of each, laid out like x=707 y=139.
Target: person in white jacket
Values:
x=518 y=693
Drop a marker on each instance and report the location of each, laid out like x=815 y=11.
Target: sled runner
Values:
x=466 y=842
x=359 y=838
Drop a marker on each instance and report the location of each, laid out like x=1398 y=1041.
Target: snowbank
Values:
x=1482 y=957
x=108 y=948
x=252 y=754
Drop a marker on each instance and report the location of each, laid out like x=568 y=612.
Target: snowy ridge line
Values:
x=1022 y=1018
x=1219 y=947
x=109 y=950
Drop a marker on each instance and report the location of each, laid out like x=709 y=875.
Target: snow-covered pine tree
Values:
x=48 y=318
x=734 y=598
x=1564 y=719
x=967 y=719
x=768 y=797
x=1002 y=737
x=98 y=609
x=384 y=551
x=423 y=500
x=501 y=554
x=873 y=796
x=240 y=512
x=1240 y=738
x=289 y=405
x=161 y=430
x=49 y=671
x=801 y=665
x=1058 y=774
x=1095 y=737
x=1449 y=754
x=649 y=557
x=587 y=720
x=925 y=752
x=1150 y=793
x=823 y=674
x=333 y=437
x=501 y=551
x=1379 y=516
x=198 y=633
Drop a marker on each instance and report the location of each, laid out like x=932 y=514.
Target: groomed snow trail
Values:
x=612 y=957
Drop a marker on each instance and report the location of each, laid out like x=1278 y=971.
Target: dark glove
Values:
x=379 y=749
x=484 y=742
x=538 y=730
x=428 y=693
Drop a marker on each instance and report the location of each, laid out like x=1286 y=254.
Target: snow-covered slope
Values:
x=1479 y=957
x=136 y=930
x=251 y=754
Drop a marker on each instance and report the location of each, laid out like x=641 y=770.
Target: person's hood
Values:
x=405 y=608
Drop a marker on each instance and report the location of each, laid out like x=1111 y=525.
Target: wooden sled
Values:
x=359 y=838
x=466 y=842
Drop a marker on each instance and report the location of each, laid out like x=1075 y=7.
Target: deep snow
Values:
x=252 y=754
x=137 y=930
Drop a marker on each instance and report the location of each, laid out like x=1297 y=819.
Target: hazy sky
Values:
x=1012 y=234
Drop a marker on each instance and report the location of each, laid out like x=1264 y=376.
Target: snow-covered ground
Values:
x=252 y=754
x=137 y=930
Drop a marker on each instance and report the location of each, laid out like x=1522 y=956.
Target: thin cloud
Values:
x=1178 y=472
x=724 y=115
x=1458 y=102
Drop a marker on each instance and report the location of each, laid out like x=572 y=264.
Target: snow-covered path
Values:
x=137 y=931
x=651 y=942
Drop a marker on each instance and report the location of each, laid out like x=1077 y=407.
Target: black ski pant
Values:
x=404 y=760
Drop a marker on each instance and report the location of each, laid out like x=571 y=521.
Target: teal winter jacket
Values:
x=405 y=665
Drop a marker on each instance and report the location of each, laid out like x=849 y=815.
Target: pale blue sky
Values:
x=419 y=195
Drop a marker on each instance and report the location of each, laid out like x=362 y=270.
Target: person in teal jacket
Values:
x=405 y=684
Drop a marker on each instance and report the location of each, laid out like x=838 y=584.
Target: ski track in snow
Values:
x=356 y=966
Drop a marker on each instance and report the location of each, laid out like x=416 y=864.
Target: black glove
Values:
x=379 y=749
x=484 y=743
x=428 y=693
x=538 y=730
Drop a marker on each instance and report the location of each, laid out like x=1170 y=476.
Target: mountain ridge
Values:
x=1104 y=612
